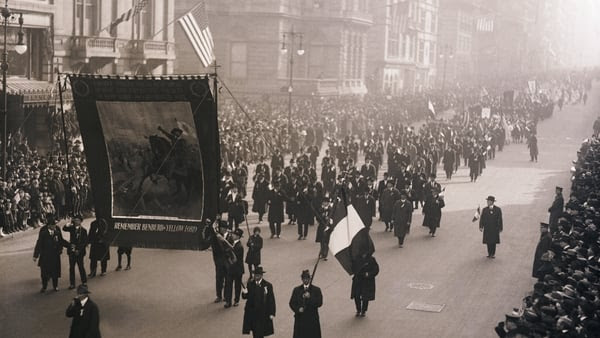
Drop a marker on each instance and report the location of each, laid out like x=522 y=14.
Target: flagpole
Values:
x=172 y=21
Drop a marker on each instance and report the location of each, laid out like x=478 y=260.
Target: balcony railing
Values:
x=87 y=47
x=158 y=50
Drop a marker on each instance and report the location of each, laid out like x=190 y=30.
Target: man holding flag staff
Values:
x=305 y=301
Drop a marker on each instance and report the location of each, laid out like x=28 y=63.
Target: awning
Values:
x=35 y=92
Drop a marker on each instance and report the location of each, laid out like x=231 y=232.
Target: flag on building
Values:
x=430 y=107
x=485 y=25
x=477 y=214
x=349 y=240
x=195 y=26
x=133 y=11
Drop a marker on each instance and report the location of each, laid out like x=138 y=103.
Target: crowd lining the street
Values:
x=565 y=301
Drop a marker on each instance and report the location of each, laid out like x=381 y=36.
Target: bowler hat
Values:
x=491 y=198
x=259 y=270
x=77 y=216
x=305 y=274
x=559 y=188
x=82 y=290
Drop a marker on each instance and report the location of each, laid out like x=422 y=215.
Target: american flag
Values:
x=133 y=11
x=195 y=26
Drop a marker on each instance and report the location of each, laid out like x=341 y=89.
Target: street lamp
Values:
x=446 y=54
x=20 y=48
x=300 y=52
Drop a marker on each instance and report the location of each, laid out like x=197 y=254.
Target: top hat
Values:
x=259 y=270
x=491 y=198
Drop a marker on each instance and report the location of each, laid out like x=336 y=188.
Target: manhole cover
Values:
x=425 y=307
x=420 y=286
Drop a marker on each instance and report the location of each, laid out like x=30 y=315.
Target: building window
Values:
x=239 y=56
x=394 y=32
x=431 y=53
x=421 y=56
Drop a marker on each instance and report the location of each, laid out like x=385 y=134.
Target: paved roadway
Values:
x=170 y=293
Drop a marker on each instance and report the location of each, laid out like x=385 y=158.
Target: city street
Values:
x=170 y=293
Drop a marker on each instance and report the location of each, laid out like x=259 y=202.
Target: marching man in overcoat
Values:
x=490 y=224
x=259 y=311
x=48 y=248
x=305 y=302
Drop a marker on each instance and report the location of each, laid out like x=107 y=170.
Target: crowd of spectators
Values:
x=37 y=187
x=565 y=301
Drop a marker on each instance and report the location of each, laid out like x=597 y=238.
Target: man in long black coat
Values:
x=235 y=270
x=402 y=217
x=99 y=246
x=542 y=247
x=237 y=208
x=275 y=200
x=259 y=311
x=449 y=159
x=363 y=284
x=490 y=223
x=85 y=314
x=556 y=209
x=78 y=240
x=365 y=207
x=260 y=194
x=433 y=211
x=305 y=301
x=48 y=249
x=219 y=254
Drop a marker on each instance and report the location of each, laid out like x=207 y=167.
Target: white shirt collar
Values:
x=83 y=301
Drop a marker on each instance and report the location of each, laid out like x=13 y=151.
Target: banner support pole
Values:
x=62 y=113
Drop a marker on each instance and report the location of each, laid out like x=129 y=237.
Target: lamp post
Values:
x=292 y=34
x=446 y=54
x=20 y=48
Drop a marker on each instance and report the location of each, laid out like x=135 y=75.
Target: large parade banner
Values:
x=152 y=149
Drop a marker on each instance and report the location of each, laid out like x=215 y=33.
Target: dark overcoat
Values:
x=433 y=212
x=304 y=212
x=556 y=209
x=99 y=248
x=402 y=217
x=86 y=320
x=78 y=240
x=275 y=200
x=386 y=202
x=542 y=247
x=260 y=195
x=236 y=268
x=260 y=304
x=363 y=282
x=48 y=248
x=306 y=323
x=491 y=223
x=255 y=244
x=365 y=207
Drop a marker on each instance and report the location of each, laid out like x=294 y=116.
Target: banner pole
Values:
x=64 y=128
